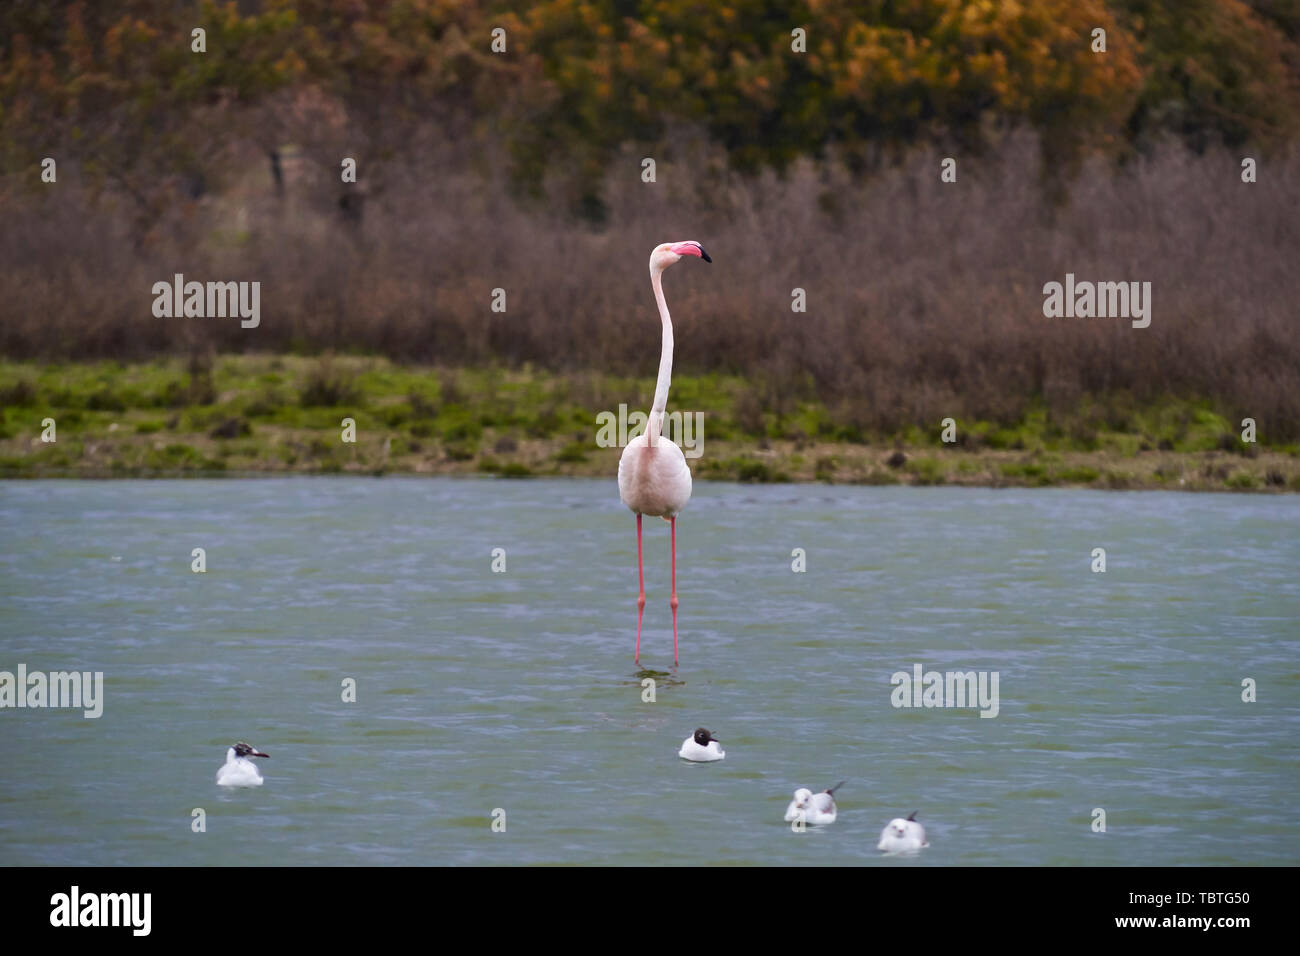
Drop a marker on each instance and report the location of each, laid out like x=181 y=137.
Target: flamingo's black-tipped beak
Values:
x=704 y=255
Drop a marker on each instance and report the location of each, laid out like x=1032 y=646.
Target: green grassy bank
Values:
x=237 y=415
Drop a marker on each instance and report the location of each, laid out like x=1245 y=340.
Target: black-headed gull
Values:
x=817 y=809
x=701 y=746
x=238 y=770
x=902 y=836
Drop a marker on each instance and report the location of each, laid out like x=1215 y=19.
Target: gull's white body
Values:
x=693 y=751
x=818 y=809
x=902 y=836
x=238 y=772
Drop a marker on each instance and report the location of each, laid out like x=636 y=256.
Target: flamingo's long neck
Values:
x=655 y=425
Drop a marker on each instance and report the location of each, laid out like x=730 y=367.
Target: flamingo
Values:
x=653 y=478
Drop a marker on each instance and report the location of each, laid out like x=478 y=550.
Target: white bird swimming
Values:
x=902 y=836
x=238 y=770
x=817 y=809
x=701 y=746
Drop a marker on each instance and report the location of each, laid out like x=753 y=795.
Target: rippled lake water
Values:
x=479 y=690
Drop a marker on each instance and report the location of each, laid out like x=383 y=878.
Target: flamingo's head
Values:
x=671 y=253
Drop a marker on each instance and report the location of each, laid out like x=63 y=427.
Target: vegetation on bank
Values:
x=502 y=210
x=924 y=299
x=245 y=414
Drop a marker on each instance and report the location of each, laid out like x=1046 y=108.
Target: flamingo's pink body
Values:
x=653 y=478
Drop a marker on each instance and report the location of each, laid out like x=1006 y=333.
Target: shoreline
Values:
x=245 y=416
x=985 y=475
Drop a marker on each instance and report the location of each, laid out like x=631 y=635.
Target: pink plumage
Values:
x=653 y=477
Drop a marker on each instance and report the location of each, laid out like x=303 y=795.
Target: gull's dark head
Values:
x=702 y=736
x=244 y=750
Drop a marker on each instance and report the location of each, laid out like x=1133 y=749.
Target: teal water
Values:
x=479 y=690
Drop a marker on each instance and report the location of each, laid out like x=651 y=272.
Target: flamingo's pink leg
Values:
x=640 y=601
x=673 y=600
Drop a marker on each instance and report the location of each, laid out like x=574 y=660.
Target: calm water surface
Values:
x=479 y=690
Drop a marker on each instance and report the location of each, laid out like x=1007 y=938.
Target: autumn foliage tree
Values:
x=118 y=89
